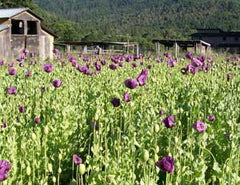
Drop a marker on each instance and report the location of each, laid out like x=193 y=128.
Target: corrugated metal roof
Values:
x=8 y=13
x=3 y=27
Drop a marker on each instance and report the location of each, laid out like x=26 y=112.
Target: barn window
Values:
x=236 y=39
x=224 y=38
x=17 y=27
x=32 y=27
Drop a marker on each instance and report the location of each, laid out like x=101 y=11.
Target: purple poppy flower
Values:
x=87 y=72
x=28 y=73
x=230 y=76
x=131 y=83
x=57 y=57
x=184 y=71
x=136 y=57
x=196 y=63
x=103 y=62
x=161 y=112
x=209 y=58
x=32 y=55
x=25 y=51
x=211 y=118
x=158 y=60
x=191 y=68
x=55 y=51
x=120 y=64
x=42 y=89
x=141 y=55
x=21 y=109
x=4 y=125
x=166 y=164
x=11 y=64
x=1 y=63
x=169 y=121
x=201 y=58
x=170 y=62
x=135 y=64
x=37 y=120
x=115 y=102
x=199 y=126
x=31 y=62
x=189 y=55
x=5 y=167
x=20 y=59
x=12 y=71
x=126 y=97
x=74 y=63
x=77 y=160
x=84 y=70
x=112 y=66
x=48 y=68
x=12 y=90
x=129 y=58
x=23 y=57
x=57 y=83
x=86 y=58
x=97 y=66
x=141 y=63
x=142 y=78
x=166 y=54
x=21 y=64
x=71 y=59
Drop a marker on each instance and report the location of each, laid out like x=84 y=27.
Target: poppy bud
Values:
x=82 y=169
x=54 y=179
x=156 y=128
x=46 y=130
x=28 y=170
x=34 y=137
x=50 y=167
x=60 y=156
x=145 y=155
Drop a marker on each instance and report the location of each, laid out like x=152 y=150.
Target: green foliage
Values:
x=160 y=18
x=15 y=3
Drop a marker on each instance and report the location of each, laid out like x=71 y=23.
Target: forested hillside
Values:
x=146 y=19
x=139 y=20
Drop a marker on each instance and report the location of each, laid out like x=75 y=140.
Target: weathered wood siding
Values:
x=25 y=16
x=46 y=45
x=31 y=42
x=17 y=45
x=5 y=44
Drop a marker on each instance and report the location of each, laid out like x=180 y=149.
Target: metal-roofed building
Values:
x=21 y=28
x=219 y=39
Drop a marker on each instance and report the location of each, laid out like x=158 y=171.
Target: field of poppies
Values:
x=121 y=120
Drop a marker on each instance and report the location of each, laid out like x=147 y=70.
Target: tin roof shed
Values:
x=11 y=12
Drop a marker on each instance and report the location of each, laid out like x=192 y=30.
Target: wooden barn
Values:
x=219 y=39
x=21 y=28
